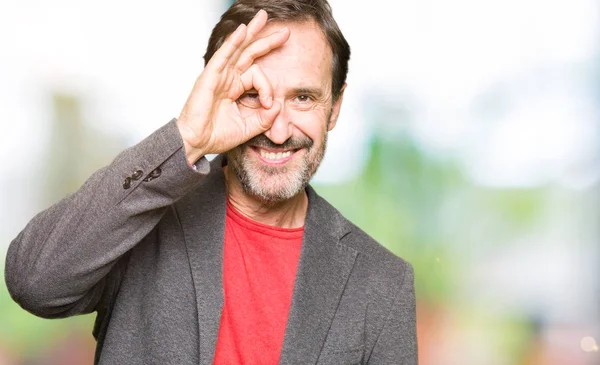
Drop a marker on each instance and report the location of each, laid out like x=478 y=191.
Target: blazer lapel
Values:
x=202 y=218
x=324 y=268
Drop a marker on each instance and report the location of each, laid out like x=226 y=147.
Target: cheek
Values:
x=311 y=123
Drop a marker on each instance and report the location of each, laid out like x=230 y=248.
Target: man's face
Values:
x=277 y=165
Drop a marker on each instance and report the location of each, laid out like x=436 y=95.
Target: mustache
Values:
x=291 y=143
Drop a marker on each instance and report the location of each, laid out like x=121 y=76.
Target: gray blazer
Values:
x=147 y=257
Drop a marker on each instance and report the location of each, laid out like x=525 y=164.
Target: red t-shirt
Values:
x=259 y=268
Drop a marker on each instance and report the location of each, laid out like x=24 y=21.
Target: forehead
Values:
x=305 y=58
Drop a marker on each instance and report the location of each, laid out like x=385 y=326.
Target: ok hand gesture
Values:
x=210 y=121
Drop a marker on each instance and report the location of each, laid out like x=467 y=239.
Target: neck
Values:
x=289 y=213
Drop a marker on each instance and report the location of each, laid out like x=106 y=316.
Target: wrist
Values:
x=193 y=151
x=192 y=154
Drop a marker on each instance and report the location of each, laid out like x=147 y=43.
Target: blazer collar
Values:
x=323 y=270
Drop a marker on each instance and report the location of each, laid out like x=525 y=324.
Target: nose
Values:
x=281 y=130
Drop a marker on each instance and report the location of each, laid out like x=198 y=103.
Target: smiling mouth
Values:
x=274 y=156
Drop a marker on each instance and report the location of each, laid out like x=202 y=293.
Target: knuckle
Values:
x=251 y=53
x=243 y=62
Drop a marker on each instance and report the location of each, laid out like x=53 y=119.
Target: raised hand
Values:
x=210 y=121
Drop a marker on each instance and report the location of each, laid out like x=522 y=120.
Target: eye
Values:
x=304 y=98
x=249 y=100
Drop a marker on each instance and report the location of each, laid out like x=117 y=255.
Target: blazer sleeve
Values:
x=397 y=342
x=65 y=260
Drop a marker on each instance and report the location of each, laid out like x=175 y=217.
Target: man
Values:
x=236 y=261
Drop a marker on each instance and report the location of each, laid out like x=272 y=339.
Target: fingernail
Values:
x=281 y=30
x=270 y=101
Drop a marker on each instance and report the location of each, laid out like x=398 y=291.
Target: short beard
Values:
x=275 y=184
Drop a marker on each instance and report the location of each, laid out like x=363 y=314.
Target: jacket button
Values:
x=153 y=175
x=156 y=173
x=137 y=174
x=127 y=183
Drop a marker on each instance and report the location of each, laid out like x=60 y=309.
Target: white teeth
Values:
x=275 y=156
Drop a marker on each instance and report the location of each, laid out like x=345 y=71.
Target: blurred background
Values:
x=469 y=144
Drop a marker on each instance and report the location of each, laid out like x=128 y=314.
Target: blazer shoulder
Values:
x=378 y=257
x=376 y=260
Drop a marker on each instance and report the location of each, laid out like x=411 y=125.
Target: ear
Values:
x=335 y=109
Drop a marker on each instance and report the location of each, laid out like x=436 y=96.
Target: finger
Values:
x=262 y=120
x=253 y=28
x=261 y=47
x=257 y=79
x=221 y=57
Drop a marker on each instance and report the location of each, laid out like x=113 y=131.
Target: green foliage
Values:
x=426 y=211
x=396 y=201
